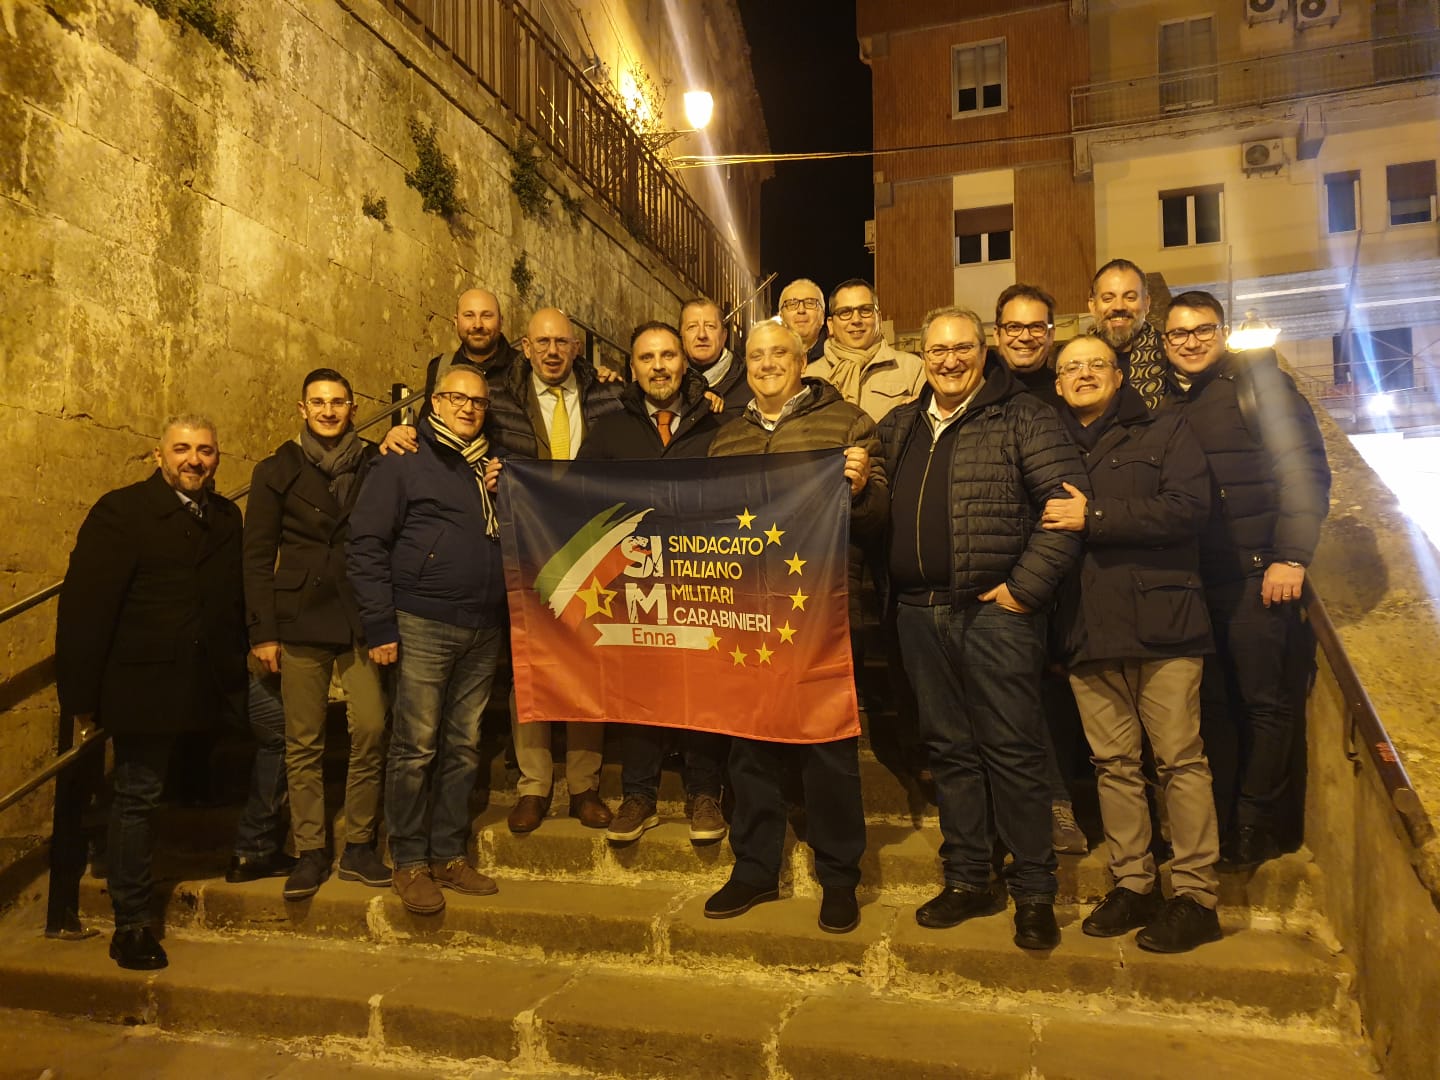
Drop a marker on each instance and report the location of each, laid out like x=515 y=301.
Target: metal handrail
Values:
x=54 y=769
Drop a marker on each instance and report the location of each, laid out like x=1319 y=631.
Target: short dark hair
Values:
x=1120 y=264
x=653 y=324
x=701 y=301
x=852 y=283
x=1197 y=300
x=325 y=374
x=1021 y=291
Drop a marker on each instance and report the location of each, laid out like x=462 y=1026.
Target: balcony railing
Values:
x=500 y=46
x=1258 y=80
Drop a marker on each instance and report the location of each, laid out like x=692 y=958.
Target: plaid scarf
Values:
x=474 y=454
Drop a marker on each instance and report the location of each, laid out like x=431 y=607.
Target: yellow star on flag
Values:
x=795 y=563
x=763 y=655
x=787 y=633
x=745 y=518
x=738 y=656
x=713 y=642
x=597 y=598
x=797 y=600
x=773 y=534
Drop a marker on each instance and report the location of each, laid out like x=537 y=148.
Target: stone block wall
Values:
x=182 y=233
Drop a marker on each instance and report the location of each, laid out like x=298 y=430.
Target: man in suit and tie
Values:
x=150 y=644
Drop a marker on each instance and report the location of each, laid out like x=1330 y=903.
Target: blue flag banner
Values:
x=701 y=593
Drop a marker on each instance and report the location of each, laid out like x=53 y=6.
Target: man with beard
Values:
x=150 y=644
x=304 y=622
x=703 y=332
x=1270 y=489
x=802 y=309
x=857 y=359
x=665 y=415
x=424 y=561
x=1119 y=303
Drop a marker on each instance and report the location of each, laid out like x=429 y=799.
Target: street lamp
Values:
x=699 y=108
x=1252 y=333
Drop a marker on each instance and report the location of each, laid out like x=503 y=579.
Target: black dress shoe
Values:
x=953 y=906
x=1035 y=926
x=135 y=947
x=839 y=911
x=736 y=898
x=1121 y=911
x=255 y=867
x=1250 y=846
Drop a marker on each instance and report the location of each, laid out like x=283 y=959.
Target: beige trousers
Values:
x=1117 y=699
x=584 y=749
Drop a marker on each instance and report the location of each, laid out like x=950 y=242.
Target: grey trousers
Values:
x=584 y=750
x=1117 y=699
x=305 y=691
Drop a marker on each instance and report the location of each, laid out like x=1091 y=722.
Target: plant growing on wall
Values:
x=574 y=208
x=521 y=276
x=526 y=182
x=375 y=206
x=435 y=177
x=214 y=20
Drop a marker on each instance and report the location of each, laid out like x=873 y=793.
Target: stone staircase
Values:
x=595 y=960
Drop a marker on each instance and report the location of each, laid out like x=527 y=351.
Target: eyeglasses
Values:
x=1034 y=329
x=936 y=354
x=1204 y=334
x=544 y=343
x=1094 y=365
x=458 y=400
x=864 y=311
x=809 y=303
x=328 y=403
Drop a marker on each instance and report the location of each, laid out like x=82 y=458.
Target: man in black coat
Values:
x=150 y=644
x=705 y=337
x=1133 y=629
x=665 y=414
x=1270 y=492
x=303 y=621
x=971 y=464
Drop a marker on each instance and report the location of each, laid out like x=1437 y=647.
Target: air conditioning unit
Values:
x=1262 y=156
x=1312 y=13
x=1258 y=11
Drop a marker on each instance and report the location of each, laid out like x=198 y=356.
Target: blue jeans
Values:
x=642 y=753
x=137 y=779
x=444 y=681
x=262 y=826
x=976 y=674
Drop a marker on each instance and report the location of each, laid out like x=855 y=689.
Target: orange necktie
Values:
x=663 y=418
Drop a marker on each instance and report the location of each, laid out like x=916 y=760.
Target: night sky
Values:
x=816 y=96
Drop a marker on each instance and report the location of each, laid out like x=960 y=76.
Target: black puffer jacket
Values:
x=514 y=425
x=1009 y=455
x=630 y=434
x=1136 y=594
x=495 y=370
x=821 y=421
x=1269 y=476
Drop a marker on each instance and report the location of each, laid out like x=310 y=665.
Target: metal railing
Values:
x=500 y=46
x=1259 y=80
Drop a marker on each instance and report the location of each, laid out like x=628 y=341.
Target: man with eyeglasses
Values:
x=802 y=309
x=304 y=625
x=1024 y=340
x=857 y=359
x=971 y=464
x=705 y=337
x=1119 y=302
x=1270 y=491
x=424 y=561
x=547 y=407
x=1132 y=632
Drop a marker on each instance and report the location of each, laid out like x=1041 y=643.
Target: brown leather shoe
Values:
x=459 y=875
x=590 y=809
x=418 y=891
x=529 y=812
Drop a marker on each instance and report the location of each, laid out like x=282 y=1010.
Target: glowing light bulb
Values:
x=699 y=107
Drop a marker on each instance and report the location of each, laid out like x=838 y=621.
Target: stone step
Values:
x=540 y=1016
x=660 y=924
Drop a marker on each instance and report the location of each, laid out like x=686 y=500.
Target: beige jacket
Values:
x=890 y=378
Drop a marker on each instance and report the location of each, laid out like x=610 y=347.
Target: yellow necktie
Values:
x=559 y=427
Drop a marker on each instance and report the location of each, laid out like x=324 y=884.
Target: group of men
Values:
x=1135 y=508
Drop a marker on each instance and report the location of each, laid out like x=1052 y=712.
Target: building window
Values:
x=1410 y=190
x=1377 y=362
x=977 y=74
x=982 y=235
x=1191 y=217
x=1342 y=201
x=1187 y=64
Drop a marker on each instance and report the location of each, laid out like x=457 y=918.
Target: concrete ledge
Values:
x=781 y=934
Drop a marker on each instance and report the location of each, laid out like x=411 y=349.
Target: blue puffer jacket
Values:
x=417 y=544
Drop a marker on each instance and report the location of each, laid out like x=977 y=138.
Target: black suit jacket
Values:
x=295 y=532
x=150 y=633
